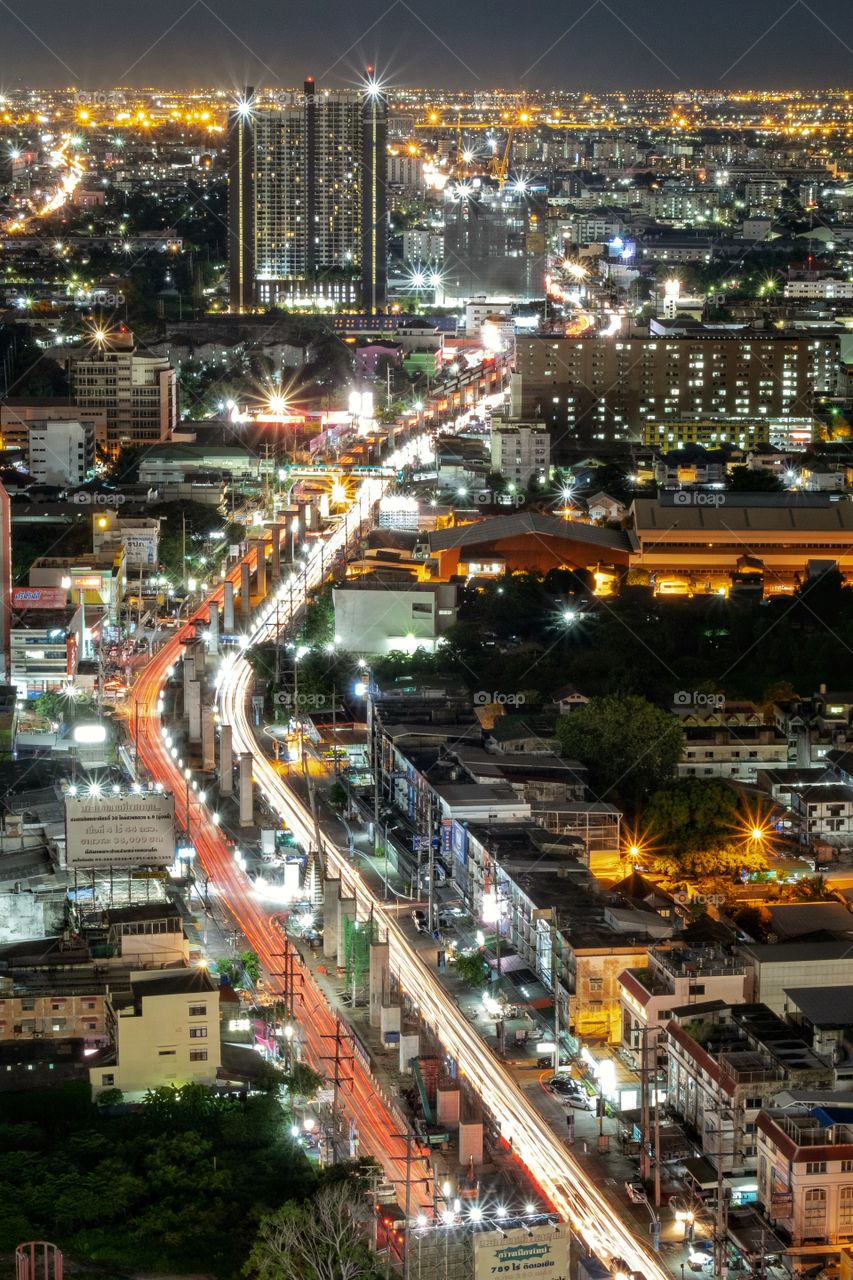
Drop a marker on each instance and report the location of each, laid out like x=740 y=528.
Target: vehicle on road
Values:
x=420 y=920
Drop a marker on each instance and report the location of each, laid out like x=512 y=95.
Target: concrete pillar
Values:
x=261 y=572
x=194 y=710
x=346 y=911
x=245 y=595
x=331 y=894
x=226 y=761
x=447 y=1105
x=247 y=807
x=378 y=983
x=228 y=608
x=275 y=553
x=410 y=1047
x=213 y=628
x=390 y=1022
x=311 y=517
x=189 y=675
x=208 y=740
x=470 y=1143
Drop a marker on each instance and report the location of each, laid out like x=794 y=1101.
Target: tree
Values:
x=630 y=746
x=302 y=1081
x=745 y=480
x=324 y=1240
x=471 y=967
x=251 y=965
x=338 y=798
x=692 y=814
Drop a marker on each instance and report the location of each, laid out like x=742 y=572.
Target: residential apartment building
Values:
x=521 y=452
x=824 y=813
x=774 y=968
x=56 y=1009
x=374 y=614
x=731 y=751
x=805 y=1174
x=727 y=1062
x=61 y=453
x=611 y=387
x=138 y=392
x=742 y=433
x=165 y=1031
x=307 y=202
x=18 y=416
x=676 y=976
x=494 y=243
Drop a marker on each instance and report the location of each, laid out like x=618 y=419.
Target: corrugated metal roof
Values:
x=522 y=523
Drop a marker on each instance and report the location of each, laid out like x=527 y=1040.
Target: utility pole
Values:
x=430 y=869
x=184 y=549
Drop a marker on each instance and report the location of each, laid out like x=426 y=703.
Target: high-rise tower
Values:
x=307 y=200
x=241 y=202
x=374 y=196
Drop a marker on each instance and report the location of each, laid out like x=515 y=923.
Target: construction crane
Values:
x=500 y=167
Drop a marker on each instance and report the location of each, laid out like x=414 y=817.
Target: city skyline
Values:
x=598 y=46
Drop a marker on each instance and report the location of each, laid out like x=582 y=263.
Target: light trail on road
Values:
x=379 y=1127
x=570 y=1188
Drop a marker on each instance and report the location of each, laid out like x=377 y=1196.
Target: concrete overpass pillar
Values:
x=247 y=807
x=245 y=595
x=378 y=983
x=213 y=628
x=228 y=608
x=261 y=572
x=470 y=1143
x=208 y=740
x=275 y=553
x=226 y=761
x=447 y=1105
x=410 y=1047
x=331 y=894
x=194 y=710
x=346 y=911
x=188 y=676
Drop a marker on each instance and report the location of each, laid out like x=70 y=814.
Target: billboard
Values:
x=525 y=1253
x=120 y=831
x=39 y=598
x=140 y=548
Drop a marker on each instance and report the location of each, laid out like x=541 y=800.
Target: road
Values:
x=378 y=1125
x=563 y=1180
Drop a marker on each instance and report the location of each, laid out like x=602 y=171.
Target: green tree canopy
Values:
x=691 y=814
x=629 y=745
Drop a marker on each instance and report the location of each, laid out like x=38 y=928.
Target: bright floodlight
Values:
x=245 y=108
x=89 y=735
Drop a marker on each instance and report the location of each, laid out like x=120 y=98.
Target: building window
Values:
x=198 y=1033
x=845 y=1209
x=814 y=1212
x=847 y=1166
x=198 y=1010
x=166 y=1053
x=816 y=1166
x=596 y=984
x=108 y=1079
x=198 y=1055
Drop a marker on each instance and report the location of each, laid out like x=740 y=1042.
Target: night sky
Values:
x=668 y=44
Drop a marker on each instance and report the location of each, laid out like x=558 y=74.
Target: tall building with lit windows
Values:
x=307 y=199
x=611 y=388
